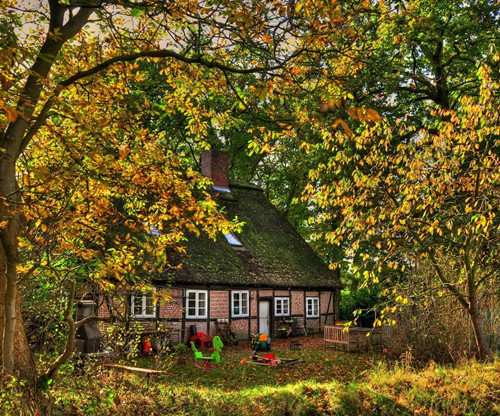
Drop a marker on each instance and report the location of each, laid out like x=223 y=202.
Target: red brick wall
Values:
x=240 y=327
x=174 y=307
x=214 y=165
x=281 y=293
x=102 y=309
x=253 y=302
x=219 y=304
x=171 y=312
x=265 y=293
x=324 y=300
x=117 y=305
x=312 y=293
x=297 y=300
x=254 y=326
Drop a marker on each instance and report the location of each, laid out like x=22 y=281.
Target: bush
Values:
x=363 y=300
x=43 y=306
x=434 y=326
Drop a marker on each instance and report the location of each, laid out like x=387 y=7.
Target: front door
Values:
x=264 y=317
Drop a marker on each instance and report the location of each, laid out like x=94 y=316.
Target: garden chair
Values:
x=201 y=340
x=299 y=328
x=208 y=361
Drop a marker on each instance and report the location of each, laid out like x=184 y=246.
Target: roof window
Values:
x=151 y=229
x=220 y=189
x=231 y=239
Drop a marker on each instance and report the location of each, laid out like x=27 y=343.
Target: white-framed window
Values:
x=143 y=305
x=239 y=303
x=312 y=307
x=282 y=306
x=196 y=303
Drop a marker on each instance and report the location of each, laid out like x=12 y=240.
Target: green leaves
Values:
x=136 y=12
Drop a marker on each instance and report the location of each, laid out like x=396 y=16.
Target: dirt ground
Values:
x=280 y=344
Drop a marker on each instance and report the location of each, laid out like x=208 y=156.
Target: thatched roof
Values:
x=273 y=253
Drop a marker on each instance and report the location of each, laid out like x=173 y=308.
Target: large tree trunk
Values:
x=16 y=355
x=24 y=363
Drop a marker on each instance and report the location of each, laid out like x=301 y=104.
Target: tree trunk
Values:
x=24 y=362
x=17 y=358
x=69 y=347
x=16 y=355
x=477 y=324
x=473 y=309
x=3 y=282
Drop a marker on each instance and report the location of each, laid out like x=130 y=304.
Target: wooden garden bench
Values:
x=315 y=328
x=337 y=335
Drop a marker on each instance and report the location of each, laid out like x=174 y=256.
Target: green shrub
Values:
x=364 y=301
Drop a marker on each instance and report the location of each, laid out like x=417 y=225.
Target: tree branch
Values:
x=42 y=116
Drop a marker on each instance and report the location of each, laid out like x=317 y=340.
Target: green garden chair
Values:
x=208 y=361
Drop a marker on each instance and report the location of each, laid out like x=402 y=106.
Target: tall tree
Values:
x=61 y=62
x=418 y=177
x=412 y=64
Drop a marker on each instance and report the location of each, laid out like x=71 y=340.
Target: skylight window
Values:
x=151 y=229
x=231 y=239
x=220 y=188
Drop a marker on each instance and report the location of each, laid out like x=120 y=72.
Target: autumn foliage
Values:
x=413 y=194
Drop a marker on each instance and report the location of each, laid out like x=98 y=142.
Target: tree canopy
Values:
x=389 y=106
x=414 y=173
x=84 y=162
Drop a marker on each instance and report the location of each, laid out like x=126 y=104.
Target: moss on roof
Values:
x=273 y=253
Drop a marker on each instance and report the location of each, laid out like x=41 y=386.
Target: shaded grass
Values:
x=317 y=365
x=326 y=382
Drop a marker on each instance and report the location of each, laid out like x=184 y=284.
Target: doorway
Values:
x=264 y=317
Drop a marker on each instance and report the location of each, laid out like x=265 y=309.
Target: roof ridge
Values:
x=245 y=185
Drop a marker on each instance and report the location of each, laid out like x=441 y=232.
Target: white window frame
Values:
x=314 y=308
x=197 y=294
x=240 y=294
x=144 y=303
x=283 y=300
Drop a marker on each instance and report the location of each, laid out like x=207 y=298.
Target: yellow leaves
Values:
x=355 y=112
x=262 y=93
x=364 y=115
x=372 y=115
x=124 y=151
x=402 y=299
x=305 y=146
x=344 y=125
x=6 y=82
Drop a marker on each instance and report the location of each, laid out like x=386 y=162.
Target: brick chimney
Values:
x=214 y=165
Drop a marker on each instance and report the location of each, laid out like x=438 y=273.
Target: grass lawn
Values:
x=325 y=382
x=317 y=365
